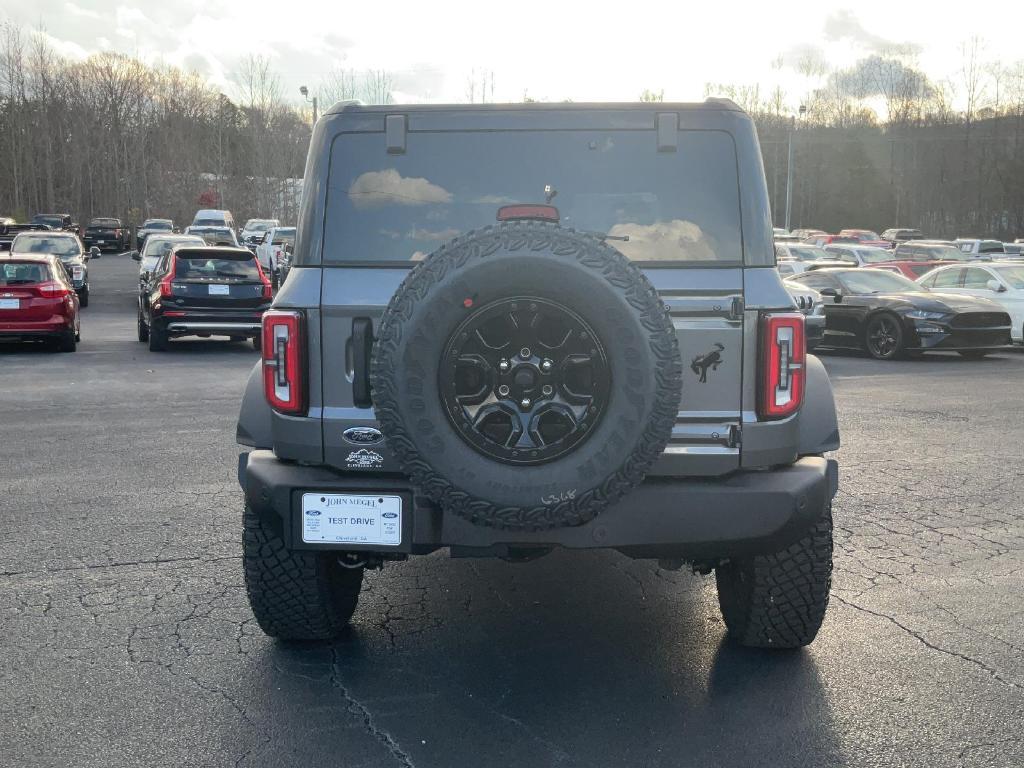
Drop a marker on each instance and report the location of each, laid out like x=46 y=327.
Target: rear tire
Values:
x=973 y=354
x=143 y=328
x=83 y=298
x=257 y=343
x=295 y=594
x=157 y=339
x=237 y=338
x=779 y=600
x=67 y=342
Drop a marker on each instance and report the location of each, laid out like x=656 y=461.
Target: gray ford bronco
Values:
x=513 y=328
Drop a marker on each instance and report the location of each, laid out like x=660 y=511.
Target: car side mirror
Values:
x=136 y=256
x=995 y=286
x=94 y=252
x=835 y=293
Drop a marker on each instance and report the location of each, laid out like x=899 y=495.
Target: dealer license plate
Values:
x=9 y=304
x=352 y=519
x=220 y=290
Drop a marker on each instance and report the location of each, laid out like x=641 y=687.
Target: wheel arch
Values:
x=254 y=427
x=818 y=430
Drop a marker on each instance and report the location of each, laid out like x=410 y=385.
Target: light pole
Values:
x=305 y=92
x=789 y=167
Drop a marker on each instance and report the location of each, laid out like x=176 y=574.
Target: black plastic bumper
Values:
x=743 y=513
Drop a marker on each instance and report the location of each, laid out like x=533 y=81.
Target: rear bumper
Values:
x=743 y=513
x=34 y=329
x=228 y=324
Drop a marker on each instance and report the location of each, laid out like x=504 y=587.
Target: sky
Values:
x=551 y=51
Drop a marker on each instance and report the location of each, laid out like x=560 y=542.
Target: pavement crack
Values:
x=928 y=644
x=360 y=710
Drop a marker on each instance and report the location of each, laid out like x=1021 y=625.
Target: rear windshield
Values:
x=45 y=243
x=114 y=223
x=680 y=206
x=23 y=273
x=53 y=221
x=189 y=267
x=156 y=224
x=209 y=222
x=284 y=237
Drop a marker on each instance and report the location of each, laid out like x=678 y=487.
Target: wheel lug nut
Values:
x=503 y=390
x=546 y=365
x=547 y=389
x=503 y=365
x=524 y=352
x=525 y=402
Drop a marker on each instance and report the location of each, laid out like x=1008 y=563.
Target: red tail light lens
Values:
x=165 y=285
x=783 y=365
x=268 y=288
x=284 y=371
x=52 y=290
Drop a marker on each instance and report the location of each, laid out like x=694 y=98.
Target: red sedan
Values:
x=37 y=301
x=911 y=269
x=866 y=237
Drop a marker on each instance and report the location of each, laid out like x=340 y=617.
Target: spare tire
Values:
x=526 y=376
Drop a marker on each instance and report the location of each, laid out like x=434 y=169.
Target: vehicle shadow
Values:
x=601 y=661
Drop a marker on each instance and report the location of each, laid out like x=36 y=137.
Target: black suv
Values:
x=513 y=328
x=203 y=291
x=107 y=235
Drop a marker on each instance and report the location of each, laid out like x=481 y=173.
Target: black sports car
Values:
x=889 y=315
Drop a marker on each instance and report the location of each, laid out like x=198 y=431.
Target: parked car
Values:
x=929 y=250
x=803 y=234
x=808 y=301
x=37 y=301
x=214 y=235
x=822 y=240
x=472 y=419
x=911 y=269
x=153 y=227
x=861 y=255
x=107 y=234
x=10 y=231
x=209 y=217
x=253 y=231
x=1002 y=283
x=271 y=249
x=157 y=246
x=794 y=258
x=891 y=316
x=204 y=291
x=1013 y=250
x=65 y=246
x=866 y=237
x=980 y=249
x=58 y=221
x=897 y=236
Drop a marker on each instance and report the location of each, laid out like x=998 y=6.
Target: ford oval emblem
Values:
x=362 y=435
x=389 y=515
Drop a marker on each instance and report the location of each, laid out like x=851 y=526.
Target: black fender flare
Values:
x=818 y=425
x=254 y=417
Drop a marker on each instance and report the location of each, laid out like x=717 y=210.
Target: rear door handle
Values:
x=362 y=345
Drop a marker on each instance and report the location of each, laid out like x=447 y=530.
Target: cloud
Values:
x=375 y=189
x=428 y=234
x=844 y=25
x=675 y=240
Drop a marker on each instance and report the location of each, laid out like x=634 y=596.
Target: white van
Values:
x=209 y=217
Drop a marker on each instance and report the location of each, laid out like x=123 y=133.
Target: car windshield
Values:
x=156 y=248
x=111 y=223
x=51 y=221
x=1014 y=276
x=208 y=223
x=23 y=273
x=284 y=237
x=195 y=267
x=806 y=253
x=258 y=225
x=941 y=252
x=46 y=243
x=872 y=256
x=876 y=281
x=159 y=224
x=652 y=206
x=214 y=235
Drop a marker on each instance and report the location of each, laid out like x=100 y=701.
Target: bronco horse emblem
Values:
x=712 y=359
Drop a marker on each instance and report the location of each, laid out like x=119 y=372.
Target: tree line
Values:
x=878 y=145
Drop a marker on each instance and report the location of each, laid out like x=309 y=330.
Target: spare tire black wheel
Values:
x=526 y=376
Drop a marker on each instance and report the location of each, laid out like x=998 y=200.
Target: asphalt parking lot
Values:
x=126 y=639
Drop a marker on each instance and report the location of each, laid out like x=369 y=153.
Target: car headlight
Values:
x=920 y=314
